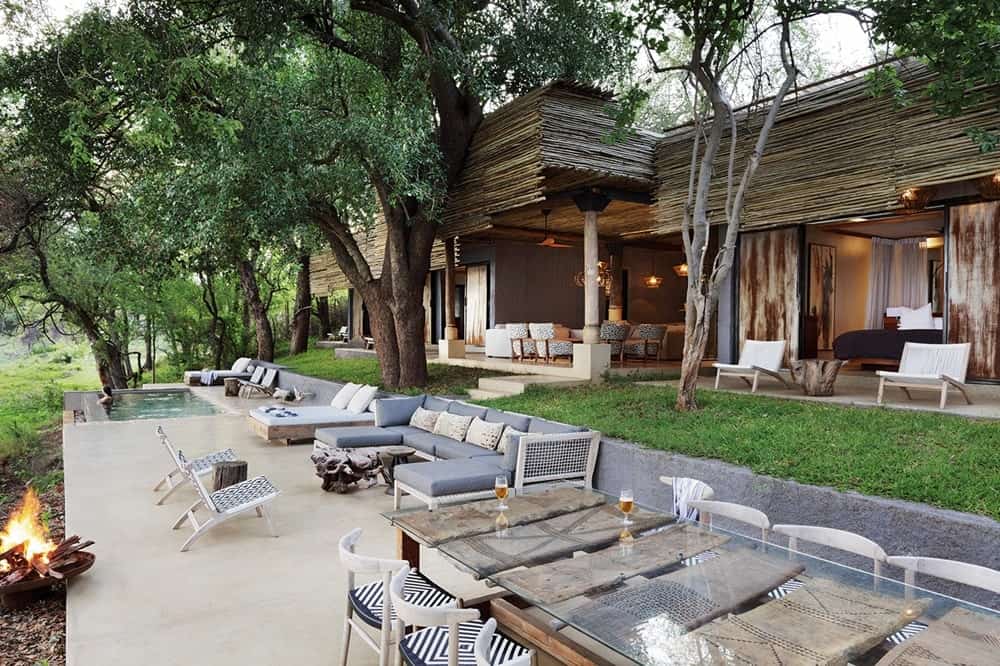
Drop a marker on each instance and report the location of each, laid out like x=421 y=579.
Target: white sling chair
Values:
x=253 y=494
x=958 y=572
x=929 y=366
x=176 y=477
x=758 y=357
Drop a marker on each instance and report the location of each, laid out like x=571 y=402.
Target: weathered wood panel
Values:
x=974 y=285
x=476 y=301
x=769 y=287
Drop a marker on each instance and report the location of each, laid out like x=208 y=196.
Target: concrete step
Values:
x=516 y=384
x=484 y=394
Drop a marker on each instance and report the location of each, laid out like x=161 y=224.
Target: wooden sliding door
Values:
x=769 y=286
x=476 y=299
x=974 y=284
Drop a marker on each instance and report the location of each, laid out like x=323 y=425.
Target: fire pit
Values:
x=30 y=562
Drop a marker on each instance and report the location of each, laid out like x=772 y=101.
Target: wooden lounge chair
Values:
x=201 y=466
x=222 y=505
x=929 y=366
x=263 y=388
x=758 y=357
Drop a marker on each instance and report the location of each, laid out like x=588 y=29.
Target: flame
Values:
x=24 y=527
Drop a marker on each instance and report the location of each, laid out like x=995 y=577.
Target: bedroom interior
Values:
x=872 y=285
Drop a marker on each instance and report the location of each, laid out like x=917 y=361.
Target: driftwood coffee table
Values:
x=342 y=468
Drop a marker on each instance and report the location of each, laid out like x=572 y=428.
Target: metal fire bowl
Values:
x=23 y=592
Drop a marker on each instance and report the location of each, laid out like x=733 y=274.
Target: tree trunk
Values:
x=697 y=319
x=258 y=311
x=148 y=365
x=110 y=364
x=303 y=309
x=410 y=317
x=322 y=310
x=384 y=331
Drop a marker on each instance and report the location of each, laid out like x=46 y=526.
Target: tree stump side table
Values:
x=232 y=385
x=229 y=473
x=816 y=376
x=397 y=455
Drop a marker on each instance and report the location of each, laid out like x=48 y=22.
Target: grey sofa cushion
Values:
x=543 y=427
x=396 y=411
x=404 y=430
x=358 y=437
x=449 y=477
x=449 y=448
x=515 y=421
x=424 y=441
x=465 y=409
x=436 y=404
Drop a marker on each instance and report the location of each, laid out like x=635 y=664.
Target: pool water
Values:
x=132 y=405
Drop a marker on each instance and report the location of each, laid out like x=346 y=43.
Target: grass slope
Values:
x=320 y=363
x=946 y=461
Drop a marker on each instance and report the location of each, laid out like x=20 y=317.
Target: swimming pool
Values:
x=150 y=404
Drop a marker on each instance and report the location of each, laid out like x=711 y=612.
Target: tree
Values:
x=402 y=86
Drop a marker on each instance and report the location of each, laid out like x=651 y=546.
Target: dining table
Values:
x=663 y=590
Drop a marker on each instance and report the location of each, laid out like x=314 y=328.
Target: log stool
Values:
x=232 y=385
x=229 y=473
x=816 y=376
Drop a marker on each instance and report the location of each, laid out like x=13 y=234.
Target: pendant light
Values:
x=550 y=240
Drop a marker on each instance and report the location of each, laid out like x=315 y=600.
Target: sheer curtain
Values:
x=898 y=277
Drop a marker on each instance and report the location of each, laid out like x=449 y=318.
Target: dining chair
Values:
x=834 y=538
x=485 y=644
x=707 y=509
x=685 y=490
x=965 y=573
x=371 y=602
x=449 y=633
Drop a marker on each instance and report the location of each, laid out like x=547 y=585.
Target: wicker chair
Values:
x=547 y=345
x=615 y=333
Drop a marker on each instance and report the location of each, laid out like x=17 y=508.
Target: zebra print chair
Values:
x=547 y=345
x=521 y=344
x=645 y=342
x=615 y=333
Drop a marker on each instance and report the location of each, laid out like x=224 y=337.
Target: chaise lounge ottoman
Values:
x=356 y=437
x=450 y=480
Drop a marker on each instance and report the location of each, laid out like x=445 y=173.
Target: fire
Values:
x=24 y=527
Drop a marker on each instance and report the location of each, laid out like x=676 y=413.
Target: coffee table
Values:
x=398 y=455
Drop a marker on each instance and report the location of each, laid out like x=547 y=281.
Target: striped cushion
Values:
x=367 y=599
x=430 y=646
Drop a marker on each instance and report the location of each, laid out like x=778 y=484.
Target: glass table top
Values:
x=665 y=591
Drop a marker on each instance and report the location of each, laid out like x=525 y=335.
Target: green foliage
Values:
x=947 y=461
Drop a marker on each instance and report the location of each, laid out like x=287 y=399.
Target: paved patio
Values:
x=239 y=596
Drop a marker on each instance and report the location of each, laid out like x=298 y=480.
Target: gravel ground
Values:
x=36 y=634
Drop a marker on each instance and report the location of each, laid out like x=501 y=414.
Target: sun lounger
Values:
x=242 y=368
x=929 y=367
x=263 y=388
x=758 y=357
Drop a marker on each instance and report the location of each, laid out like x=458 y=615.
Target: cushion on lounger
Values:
x=396 y=411
x=344 y=395
x=452 y=425
x=436 y=404
x=359 y=403
x=465 y=409
x=449 y=477
x=310 y=415
x=240 y=365
x=358 y=437
x=516 y=421
x=425 y=419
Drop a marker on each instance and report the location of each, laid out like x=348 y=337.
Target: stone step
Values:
x=504 y=385
x=484 y=394
x=516 y=384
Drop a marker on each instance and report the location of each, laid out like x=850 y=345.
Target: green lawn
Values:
x=947 y=461
x=444 y=379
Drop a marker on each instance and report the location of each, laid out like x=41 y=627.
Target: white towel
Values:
x=687 y=490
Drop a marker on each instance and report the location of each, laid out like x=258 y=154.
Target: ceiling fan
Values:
x=550 y=240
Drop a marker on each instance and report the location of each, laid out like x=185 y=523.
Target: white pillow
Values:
x=425 y=419
x=240 y=365
x=344 y=395
x=453 y=426
x=508 y=432
x=359 y=403
x=485 y=434
x=920 y=318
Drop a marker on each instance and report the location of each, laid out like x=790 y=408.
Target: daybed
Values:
x=242 y=368
x=526 y=450
x=291 y=423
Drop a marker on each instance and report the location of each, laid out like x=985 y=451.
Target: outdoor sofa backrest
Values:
x=767 y=354
x=950 y=361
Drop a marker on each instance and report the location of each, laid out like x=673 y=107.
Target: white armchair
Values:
x=498 y=342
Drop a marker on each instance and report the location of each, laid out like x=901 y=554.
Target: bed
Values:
x=880 y=346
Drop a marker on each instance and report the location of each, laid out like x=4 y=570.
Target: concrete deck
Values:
x=239 y=596
x=859 y=389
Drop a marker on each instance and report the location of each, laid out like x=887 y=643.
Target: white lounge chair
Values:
x=253 y=494
x=958 y=572
x=263 y=387
x=447 y=632
x=929 y=366
x=176 y=477
x=758 y=357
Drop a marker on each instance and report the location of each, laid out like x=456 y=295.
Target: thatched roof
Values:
x=836 y=151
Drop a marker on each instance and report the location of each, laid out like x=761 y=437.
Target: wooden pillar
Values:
x=615 y=306
x=450 y=329
x=591 y=204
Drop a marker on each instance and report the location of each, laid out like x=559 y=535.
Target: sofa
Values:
x=537 y=450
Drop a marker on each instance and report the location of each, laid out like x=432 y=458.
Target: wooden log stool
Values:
x=232 y=385
x=229 y=473
x=816 y=376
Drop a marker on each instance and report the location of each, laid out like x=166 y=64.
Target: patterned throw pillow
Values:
x=485 y=434
x=452 y=425
x=425 y=419
x=508 y=432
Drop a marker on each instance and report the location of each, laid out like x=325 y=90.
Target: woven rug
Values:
x=558 y=581
x=959 y=637
x=822 y=622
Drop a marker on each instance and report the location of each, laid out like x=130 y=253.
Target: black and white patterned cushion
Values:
x=429 y=647
x=204 y=463
x=367 y=599
x=782 y=590
x=242 y=493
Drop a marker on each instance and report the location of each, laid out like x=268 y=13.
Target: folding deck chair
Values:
x=929 y=367
x=758 y=357
x=176 y=477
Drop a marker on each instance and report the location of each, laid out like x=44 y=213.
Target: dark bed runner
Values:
x=881 y=343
